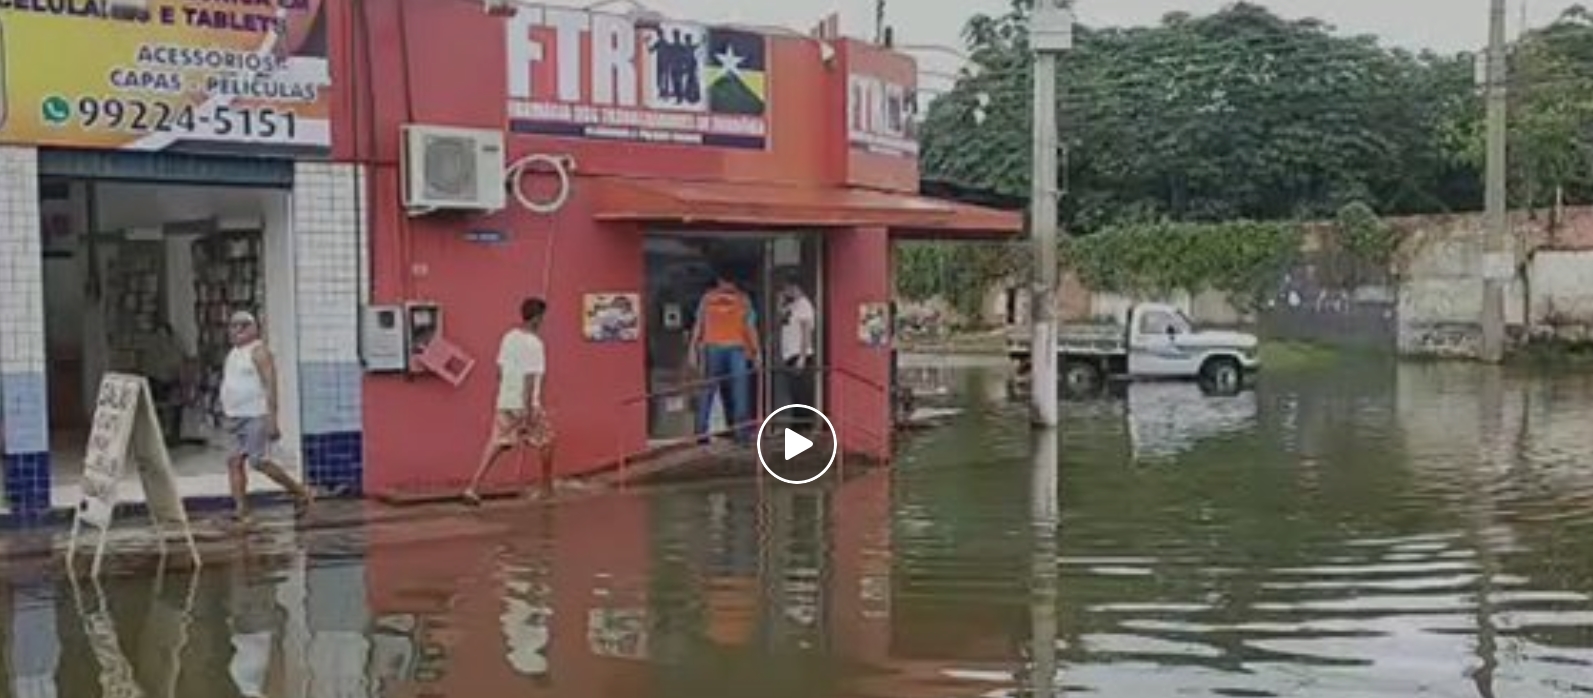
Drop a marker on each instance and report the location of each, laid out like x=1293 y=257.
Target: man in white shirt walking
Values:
x=519 y=418
x=249 y=405
x=798 y=347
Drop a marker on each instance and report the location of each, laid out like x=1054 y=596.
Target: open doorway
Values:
x=680 y=268
x=142 y=278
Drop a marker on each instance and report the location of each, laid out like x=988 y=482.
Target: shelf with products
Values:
x=135 y=300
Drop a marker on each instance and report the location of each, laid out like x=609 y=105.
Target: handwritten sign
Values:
x=115 y=411
x=127 y=433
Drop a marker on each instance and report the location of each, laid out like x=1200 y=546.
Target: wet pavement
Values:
x=1361 y=530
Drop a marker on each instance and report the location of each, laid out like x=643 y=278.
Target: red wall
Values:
x=859 y=272
x=445 y=63
x=424 y=433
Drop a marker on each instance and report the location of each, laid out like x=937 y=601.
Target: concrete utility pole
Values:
x=1045 y=511
x=1050 y=34
x=1499 y=262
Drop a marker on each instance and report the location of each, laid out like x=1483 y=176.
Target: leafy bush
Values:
x=1244 y=259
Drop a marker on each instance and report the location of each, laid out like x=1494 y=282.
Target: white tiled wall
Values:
x=22 y=384
x=332 y=263
x=330 y=257
x=21 y=267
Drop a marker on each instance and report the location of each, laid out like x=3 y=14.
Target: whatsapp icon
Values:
x=56 y=110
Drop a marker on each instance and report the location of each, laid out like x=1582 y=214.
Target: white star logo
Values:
x=729 y=61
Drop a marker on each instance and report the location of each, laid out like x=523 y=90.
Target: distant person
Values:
x=249 y=405
x=798 y=348
x=724 y=344
x=519 y=418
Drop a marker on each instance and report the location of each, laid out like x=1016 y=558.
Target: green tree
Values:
x=1551 y=113
x=1237 y=114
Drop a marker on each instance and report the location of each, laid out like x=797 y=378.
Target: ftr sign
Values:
x=585 y=74
x=881 y=100
x=879 y=116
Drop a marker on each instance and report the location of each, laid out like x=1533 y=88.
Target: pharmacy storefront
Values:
x=161 y=172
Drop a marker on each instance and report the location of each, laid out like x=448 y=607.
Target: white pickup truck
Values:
x=1154 y=342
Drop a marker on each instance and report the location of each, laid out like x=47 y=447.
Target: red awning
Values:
x=769 y=206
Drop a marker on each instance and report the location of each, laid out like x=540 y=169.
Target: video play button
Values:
x=801 y=462
x=795 y=444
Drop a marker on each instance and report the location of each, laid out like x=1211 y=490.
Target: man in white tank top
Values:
x=249 y=405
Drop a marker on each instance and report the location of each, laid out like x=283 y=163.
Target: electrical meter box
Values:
x=424 y=322
x=385 y=347
x=394 y=335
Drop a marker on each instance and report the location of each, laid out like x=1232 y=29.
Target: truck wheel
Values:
x=1222 y=375
x=1081 y=379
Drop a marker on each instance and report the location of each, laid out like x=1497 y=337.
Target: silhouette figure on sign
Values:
x=676 y=68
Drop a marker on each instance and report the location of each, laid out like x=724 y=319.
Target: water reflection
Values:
x=1168 y=419
x=34 y=649
x=1371 y=531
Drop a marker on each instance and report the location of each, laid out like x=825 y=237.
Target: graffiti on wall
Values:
x=1313 y=304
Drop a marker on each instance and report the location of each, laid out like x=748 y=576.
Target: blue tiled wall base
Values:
x=335 y=462
x=28 y=483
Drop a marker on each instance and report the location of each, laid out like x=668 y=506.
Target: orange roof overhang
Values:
x=769 y=206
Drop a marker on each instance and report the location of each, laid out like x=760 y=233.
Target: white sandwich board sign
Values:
x=127 y=433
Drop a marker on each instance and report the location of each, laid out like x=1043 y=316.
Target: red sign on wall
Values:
x=582 y=74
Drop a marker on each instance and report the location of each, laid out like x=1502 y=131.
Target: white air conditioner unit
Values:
x=453 y=168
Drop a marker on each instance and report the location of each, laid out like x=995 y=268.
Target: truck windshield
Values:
x=1182 y=322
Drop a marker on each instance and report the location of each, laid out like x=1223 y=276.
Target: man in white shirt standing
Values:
x=519 y=418
x=798 y=347
x=249 y=405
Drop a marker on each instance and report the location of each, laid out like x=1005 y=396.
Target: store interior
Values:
x=142 y=278
x=680 y=268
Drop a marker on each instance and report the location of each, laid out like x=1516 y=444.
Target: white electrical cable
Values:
x=561 y=167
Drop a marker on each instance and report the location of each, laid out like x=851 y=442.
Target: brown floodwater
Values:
x=1360 y=530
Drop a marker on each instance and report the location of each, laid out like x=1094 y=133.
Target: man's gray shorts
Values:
x=251 y=439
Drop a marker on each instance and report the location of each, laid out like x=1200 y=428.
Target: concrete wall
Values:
x=1427 y=304
x=1560 y=295
x=1440 y=292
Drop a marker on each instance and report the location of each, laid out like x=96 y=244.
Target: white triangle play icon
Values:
x=795 y=444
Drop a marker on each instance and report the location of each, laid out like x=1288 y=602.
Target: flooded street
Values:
x=1361 y=530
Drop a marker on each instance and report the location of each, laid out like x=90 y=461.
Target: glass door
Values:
x=680 y=268
x=792 y=260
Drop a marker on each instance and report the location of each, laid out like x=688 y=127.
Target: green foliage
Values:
x=1551 y=147
x=959 y=272
x=1365 y=236
x=1237 y=114
x=1244 y=259
x=1245 y=115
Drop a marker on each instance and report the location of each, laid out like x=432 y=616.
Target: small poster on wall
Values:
x=873 y=324
x=611 y=317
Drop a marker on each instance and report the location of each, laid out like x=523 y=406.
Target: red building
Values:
x=690 y=145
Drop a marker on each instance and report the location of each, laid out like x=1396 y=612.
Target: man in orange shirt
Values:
x=724 y=343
